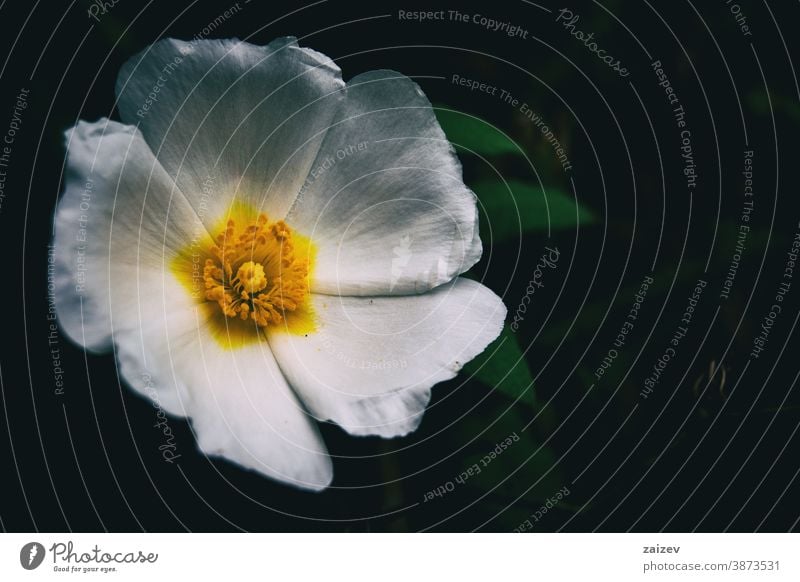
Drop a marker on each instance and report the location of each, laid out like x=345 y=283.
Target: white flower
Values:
x=235 y=244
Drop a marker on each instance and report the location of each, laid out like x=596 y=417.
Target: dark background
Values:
x=698 y=454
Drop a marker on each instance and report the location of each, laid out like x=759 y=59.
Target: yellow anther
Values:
x=251 y=277
x=269 y=279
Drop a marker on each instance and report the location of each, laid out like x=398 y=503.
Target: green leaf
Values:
x=473 y=135
x=503 y=366
x=522 y=467
x=761 y=103
x=510 y=209
x=507 y=427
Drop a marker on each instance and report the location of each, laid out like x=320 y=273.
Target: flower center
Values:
x=251 y=277
x=253 y=272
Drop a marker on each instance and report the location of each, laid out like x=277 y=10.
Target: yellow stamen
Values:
x=255 y=274
x=269 y=279
x=251 y=277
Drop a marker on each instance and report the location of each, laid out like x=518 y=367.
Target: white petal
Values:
x=119 y=213
x=370 y=364
x=113 y=246
x=385 y=201
x=242 y=409
x=153 y=318
x=225 y=117
x=239 y=403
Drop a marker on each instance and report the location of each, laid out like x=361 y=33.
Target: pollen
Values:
x=251 y=277
x=253 y=272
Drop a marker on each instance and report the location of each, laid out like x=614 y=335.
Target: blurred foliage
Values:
x=514 y=208
x=525 y=470
x=502 y=365
x=509 y=210
x=519 y=472
x=470 y=134
x=762 y=102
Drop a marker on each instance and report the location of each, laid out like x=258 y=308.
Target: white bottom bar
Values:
x=400 y=557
